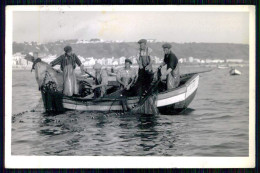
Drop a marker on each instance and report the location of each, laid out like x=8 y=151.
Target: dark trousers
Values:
x=127 y=93
x=97 y=92
x=144 y=81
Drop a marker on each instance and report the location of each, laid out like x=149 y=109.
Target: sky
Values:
x=180 y=27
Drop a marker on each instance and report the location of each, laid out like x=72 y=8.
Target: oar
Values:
x=199 y=72
x=89 y=74
x=204 y=71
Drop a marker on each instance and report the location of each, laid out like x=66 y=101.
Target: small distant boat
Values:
x=222 y=67
x=234 y=72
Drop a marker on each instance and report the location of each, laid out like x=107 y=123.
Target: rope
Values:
x=112 y=104
x=75 y=107
x=21 y=113
x=114 y=101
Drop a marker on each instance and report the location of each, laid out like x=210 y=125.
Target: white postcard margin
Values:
x=129 y=161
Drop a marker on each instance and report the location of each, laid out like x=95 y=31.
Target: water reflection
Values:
x=64 y=129
x=147 y=132
x=100 y=121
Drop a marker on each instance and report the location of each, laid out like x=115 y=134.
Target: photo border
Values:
x=155 y=159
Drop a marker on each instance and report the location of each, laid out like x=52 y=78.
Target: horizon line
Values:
x=120 y=41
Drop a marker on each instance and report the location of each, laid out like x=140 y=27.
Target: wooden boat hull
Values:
x=169 y=102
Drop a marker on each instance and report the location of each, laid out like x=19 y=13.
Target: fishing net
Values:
x=52 y=99
x=147 y=103
x=84 y=89
x=147 y=107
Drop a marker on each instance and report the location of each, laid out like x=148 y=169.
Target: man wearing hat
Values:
x=172 y=74
x=145 y=72
x=126 y=77
x=68 y=62
x=101 y=81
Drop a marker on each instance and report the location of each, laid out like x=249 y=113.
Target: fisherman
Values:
x=172 y=73
x=101 y=81
x=145 y=72
x=126 y=78
x=68 y=62
x=111 y=71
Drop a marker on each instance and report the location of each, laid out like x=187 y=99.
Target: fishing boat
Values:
x=222 y=67
x=167 y=101
x=234 y=71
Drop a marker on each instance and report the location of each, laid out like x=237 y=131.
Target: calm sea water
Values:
x=216 y=124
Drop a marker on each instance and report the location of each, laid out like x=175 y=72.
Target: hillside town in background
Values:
x=189 y=54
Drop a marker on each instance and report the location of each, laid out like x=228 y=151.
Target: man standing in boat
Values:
x=101 y=81
x=145 y=72
x=172 y=74
x=68 y=62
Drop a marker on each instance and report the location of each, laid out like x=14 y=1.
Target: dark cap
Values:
x=167 y=45
x=128 y=60
x=142 y=41
x=67 y=49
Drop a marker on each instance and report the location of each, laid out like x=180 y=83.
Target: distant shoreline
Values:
x=15 y=68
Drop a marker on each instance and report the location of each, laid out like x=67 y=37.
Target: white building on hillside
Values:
x=82 y=41
x=99 y=61
x=19 y=61
x=122 y=60
x=115 y=62
x=208 y=60
x=89 y=61
x=196 y=60
x=110 y=60
x=218 y=61
x=234 y=60
x=96 y=40
x=82 y=59
x=191 y=59
x=151 y=40
x=104 y=61
x=48 y=58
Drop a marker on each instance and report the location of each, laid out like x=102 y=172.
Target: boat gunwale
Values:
x=193 y=76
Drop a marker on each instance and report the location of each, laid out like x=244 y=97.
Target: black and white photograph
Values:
x=130 y=86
